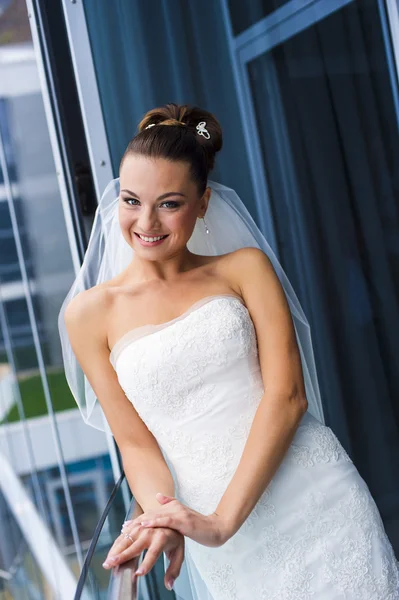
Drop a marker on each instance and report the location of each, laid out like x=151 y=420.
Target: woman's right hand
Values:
x=155 y=541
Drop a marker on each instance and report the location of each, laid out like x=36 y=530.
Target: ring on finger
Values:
x=127 y=536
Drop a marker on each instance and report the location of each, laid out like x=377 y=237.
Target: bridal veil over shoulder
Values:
x=231 y=227
x=315 y=533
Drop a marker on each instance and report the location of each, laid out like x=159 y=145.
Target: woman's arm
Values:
x=283 y=403
x=145 y=467
x=277 y=418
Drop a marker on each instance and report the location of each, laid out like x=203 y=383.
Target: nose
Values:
x=147 y=221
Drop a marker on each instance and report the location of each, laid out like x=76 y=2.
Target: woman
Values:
x=203 y=366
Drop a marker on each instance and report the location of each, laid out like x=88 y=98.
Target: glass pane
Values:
x=245 y=14
x=329 y=134
x=65 y=499
x=120 y=582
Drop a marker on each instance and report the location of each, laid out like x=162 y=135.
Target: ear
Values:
x=204 y=201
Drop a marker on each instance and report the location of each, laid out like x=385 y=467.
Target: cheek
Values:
x=125 y=219
x=180 y=221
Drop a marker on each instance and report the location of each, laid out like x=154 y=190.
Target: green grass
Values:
x=33 y=396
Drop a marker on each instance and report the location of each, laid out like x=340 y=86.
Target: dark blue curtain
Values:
x=149 y=53
x=329 y=129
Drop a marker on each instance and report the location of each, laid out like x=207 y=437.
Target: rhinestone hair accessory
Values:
x=202 y=130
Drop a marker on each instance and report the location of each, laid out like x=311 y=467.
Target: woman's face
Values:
x=158 y=198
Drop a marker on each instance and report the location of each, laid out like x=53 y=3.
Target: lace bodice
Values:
x=315 y=532
x=196 y=382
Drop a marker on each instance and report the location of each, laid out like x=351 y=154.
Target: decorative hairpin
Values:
x=202 y=131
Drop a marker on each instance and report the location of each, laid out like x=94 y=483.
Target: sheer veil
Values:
x=231 y=227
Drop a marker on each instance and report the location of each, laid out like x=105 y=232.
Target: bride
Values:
x=184 y=326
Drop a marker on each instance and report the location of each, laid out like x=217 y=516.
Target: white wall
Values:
x=78 y=441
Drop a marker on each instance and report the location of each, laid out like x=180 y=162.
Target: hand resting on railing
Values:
x=155 y=541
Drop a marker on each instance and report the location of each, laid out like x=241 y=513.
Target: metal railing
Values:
x=124 y=584
x=85 y=573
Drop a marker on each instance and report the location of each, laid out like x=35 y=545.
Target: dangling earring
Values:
x=206 y=227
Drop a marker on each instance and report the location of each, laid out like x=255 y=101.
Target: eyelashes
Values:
x=172 y=202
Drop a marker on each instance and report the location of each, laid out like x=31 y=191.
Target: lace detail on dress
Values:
x=223 y=580
x=353 y=570
x=349 y=570
x=167 y=375
x=315 y=533
x=324 y=447
x=218 y=454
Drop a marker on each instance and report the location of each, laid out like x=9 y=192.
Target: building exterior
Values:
x=308 y=97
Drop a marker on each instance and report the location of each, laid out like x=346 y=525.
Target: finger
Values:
x=132 y=530
x=162 y=499
x=151 y=557
x=144 y=517
x=128 y=553
x=170 y=521
x=126 y=524
x=122 y=543
x=173 y=571
x=132 y=551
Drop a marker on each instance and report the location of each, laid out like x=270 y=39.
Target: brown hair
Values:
x=180 y=141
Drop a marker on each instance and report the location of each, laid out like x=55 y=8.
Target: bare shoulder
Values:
x=86 y=320
x=87 y=311
x=247 y=256
x=267 y=304
x=244 y=265
x=253 y=275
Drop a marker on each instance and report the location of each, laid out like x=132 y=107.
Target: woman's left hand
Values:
x=208 y=530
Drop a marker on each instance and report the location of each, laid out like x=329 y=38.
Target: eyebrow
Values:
x=160 y=197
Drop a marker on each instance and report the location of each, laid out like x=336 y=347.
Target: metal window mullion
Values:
x=54 y=141
x=38 y=349
x=96 y=137
x=21 y=411
x=273 y=20
x=281 y=25
x=89 y=97
x=251 y=136
x=389 y=17
x=53 y=117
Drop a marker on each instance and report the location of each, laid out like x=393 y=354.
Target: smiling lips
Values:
x=151 y=241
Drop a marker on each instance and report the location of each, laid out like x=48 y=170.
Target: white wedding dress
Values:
x=315 y=533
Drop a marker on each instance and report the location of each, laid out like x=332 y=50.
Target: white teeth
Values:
x=150 y=239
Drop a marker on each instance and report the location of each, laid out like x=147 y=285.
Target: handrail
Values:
x=86 y=565
x=123 y=584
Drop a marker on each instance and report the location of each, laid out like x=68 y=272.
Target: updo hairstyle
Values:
x=173 y=135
